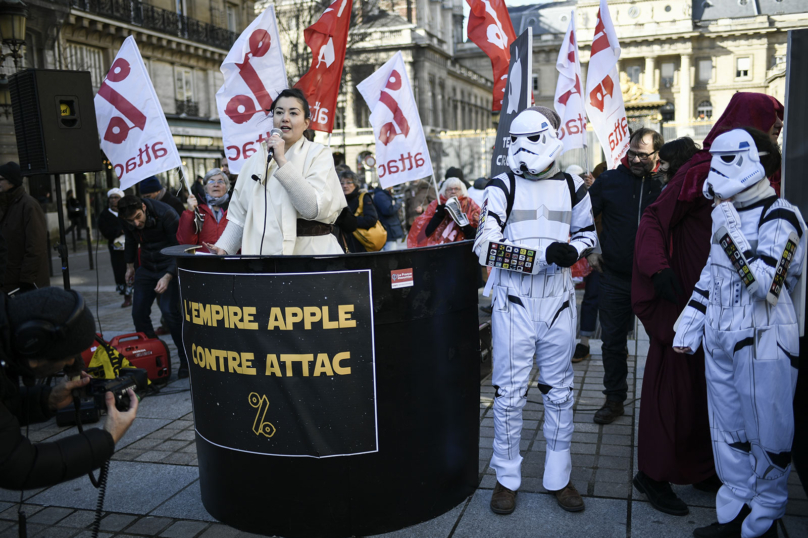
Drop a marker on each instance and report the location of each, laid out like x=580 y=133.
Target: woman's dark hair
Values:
x=764 y=143
x=677 y=152
x=297 y=94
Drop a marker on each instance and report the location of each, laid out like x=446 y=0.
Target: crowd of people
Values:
x=721 y=370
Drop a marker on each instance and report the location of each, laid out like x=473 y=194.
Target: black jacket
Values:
x=621 y=197
x=110 y=226
x=24 y=465
x=160 y=232
x=347 y=222
x=387 y=208
x=175 y=202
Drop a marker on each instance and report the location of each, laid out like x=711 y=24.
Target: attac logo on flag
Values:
x=517 y=99
x=254 y=75
x=568 y=97
x=491 y=29
x=604 y=99
x=133 y=129
x=401 y=151
x=327 y=38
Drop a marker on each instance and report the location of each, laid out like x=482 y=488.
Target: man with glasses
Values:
x=152 y=225
x=620 y=196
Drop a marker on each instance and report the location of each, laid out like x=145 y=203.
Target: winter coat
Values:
x=621 y=197
x=365 y=221
x=210 y=232
x=160 y=232
x=24 y=465
x=110 y=226
x=22 y=224
x=174 y=202
x=387 y=208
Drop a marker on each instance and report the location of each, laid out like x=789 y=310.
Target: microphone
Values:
x=274 y=132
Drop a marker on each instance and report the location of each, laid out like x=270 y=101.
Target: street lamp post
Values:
x=13 y=16
x=666 y=114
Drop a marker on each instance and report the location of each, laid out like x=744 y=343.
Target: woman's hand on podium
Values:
x=214 y=249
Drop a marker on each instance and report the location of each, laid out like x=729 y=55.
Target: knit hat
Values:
x=11 y=173
x=53 y=305
x=150 y=185
x=548 y=113
x=574 y=169
x=115 y=192
x=480 y=183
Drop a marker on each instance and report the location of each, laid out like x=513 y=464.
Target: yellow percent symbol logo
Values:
x=261 y=426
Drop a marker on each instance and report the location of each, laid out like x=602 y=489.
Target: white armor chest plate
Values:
x=728 y=289
x=541 y=214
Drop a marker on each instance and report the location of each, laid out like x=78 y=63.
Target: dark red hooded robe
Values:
x=674 y=433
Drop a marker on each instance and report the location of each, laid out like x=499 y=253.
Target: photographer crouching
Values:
x=42 y=334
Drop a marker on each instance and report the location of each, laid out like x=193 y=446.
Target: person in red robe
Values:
x=672 y=245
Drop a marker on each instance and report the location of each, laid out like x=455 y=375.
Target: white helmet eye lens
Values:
x=534 y=138
x=728 y=158
x=513 y=139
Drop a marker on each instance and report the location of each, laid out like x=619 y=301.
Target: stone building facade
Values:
x=183 y=43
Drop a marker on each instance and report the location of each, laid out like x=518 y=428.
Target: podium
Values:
x=335 y=395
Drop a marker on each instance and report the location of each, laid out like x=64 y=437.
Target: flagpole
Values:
x=437 y=193
x=329 y=140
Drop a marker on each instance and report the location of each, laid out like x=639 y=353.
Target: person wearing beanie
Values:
x=476 y=192
x=111 y=227
x=536 y=223
x=25 y=465
x=23 y=226
x=152 y=189
x=455 y=172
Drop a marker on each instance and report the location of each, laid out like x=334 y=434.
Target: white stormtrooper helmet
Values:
x=735 y=165
x=534 y=143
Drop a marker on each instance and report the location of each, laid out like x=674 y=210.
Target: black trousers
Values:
x=615 y=321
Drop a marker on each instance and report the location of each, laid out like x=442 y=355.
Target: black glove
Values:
x=346 y=221
x=561 y=254
x=469 y=231
x=441 y=211
x=436 y=219
x=667 y=285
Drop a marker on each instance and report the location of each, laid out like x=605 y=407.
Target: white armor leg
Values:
x=753 y=375
x=514 y=339
x=553 y=354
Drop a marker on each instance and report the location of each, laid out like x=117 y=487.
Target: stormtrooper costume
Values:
x=750 y=336
x=538 y=207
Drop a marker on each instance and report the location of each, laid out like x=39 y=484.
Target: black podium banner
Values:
x=286 y=359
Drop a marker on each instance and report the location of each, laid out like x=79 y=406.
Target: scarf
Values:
x=758 y=191
x=216 y=202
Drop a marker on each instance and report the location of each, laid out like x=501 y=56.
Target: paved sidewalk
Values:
x=154 y=481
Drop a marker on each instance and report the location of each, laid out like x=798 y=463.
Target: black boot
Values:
x=610 y=411
x=660 y=495
x=731 y=529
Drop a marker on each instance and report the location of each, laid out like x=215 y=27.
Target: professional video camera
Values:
x=90 y=401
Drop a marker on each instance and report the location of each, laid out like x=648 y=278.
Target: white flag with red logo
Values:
x=490 y=28
x=604 y=99
x=401 y=151
x=327 y=38
x=133 y=129
x=568 y=100
x=254 y=75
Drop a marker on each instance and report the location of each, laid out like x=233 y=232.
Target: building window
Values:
x=185 y=84
x=535 y=84
x=181 y=7
x=705 y=71
x=634 y=72
x=84 y=58
x=232 y=18
x=666 y=71
x=778 y=60
x=743 y=67
x=704 y=110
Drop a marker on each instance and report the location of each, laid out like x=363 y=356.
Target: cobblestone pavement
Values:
x=154 y=480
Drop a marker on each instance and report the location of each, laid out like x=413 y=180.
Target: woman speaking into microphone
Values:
x=288 y=196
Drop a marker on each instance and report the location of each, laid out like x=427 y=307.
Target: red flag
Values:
x=327 y=38
x=491 y=29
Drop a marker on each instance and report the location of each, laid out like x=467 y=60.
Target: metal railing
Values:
x=189 y=108
x=155 y=18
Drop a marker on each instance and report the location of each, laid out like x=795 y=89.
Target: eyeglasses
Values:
x=216 y=182
x=642 y=156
